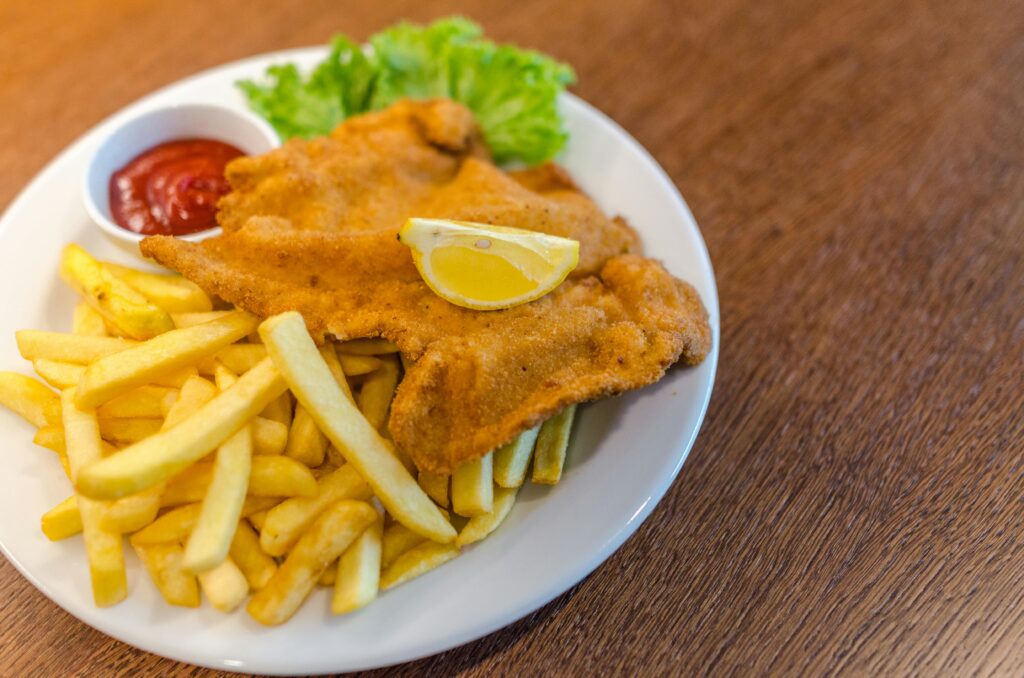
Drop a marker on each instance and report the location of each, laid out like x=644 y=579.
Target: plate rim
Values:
x=554 y=588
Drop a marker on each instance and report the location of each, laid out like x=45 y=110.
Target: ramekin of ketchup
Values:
x=172 y=188
x=161 y=172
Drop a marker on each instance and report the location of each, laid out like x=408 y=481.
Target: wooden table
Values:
x=855 y=501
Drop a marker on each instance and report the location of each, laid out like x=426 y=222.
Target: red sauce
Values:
x=173 y=188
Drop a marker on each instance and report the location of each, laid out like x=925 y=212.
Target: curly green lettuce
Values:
x=514 y=95
x=512 y=92
x=298 y=106
x=415 y=62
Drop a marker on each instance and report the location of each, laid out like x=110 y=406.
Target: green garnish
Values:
x=511 y=91
x=338 y=87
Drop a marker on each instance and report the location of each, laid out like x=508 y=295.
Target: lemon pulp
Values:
x=487 y=267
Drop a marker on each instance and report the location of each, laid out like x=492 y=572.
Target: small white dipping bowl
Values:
x=247 y=132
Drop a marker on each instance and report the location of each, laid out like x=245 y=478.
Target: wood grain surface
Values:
x=855 y=501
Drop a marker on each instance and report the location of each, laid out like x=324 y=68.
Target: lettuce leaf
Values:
x=514 y=95
x=347 y=74
x=290 y=104
x=414 y=61
x=512 y=92
x=338 y=87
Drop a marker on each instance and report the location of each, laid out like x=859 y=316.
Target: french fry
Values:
x=223 y=377
x=256 y=565
x=57 y=374
x=176 y=378
x=224 y=585
x=378 y=391
x=330 y=357
x=239 y=358
x=278 y=476
x=177 y=524
x=357 y=577
x=167 y=403
x=104 y=549
x=167 y=453
x=131 y=513
x=473 y=487
x=63 y=520
x=87 y=322
x=254 y=504
x=396 y=540
x=480 y=526
x=142 y=402
x=163 y=562
x=52 y=438
x=513 y=459
x=174 y=525
x=280 y=410
x=29 y=399
x=119 y=372
x=210 y=540
x=330 y=574
x=128 y=431
x=183 y=320
x=268 y=436
x=435 y=485
x=172 y=293
x=552 y=441
x=305 y=441
x=68 y=348
x=195 y=393
x=258 y=520
x=113 y=331
x=367 y=347
x=270 y=476
x=355 y=365
x=310 y=379
x=329 y=536
x=416 y=561
x=286 y=522
x=119 y=304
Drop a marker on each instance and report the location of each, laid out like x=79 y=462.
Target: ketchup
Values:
x=173 y=188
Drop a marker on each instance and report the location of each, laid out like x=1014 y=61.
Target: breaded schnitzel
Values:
x=421 y=159
x=369 y=174
x=304 y=232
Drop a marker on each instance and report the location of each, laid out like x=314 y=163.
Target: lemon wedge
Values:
x=486 y=267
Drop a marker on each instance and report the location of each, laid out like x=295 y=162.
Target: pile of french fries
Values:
x=239 y=458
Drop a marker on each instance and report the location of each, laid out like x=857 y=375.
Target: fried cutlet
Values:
x=311 y=227
x=369 y=174
x=422 y=159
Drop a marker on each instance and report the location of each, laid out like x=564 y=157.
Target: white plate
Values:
x=624 y=455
